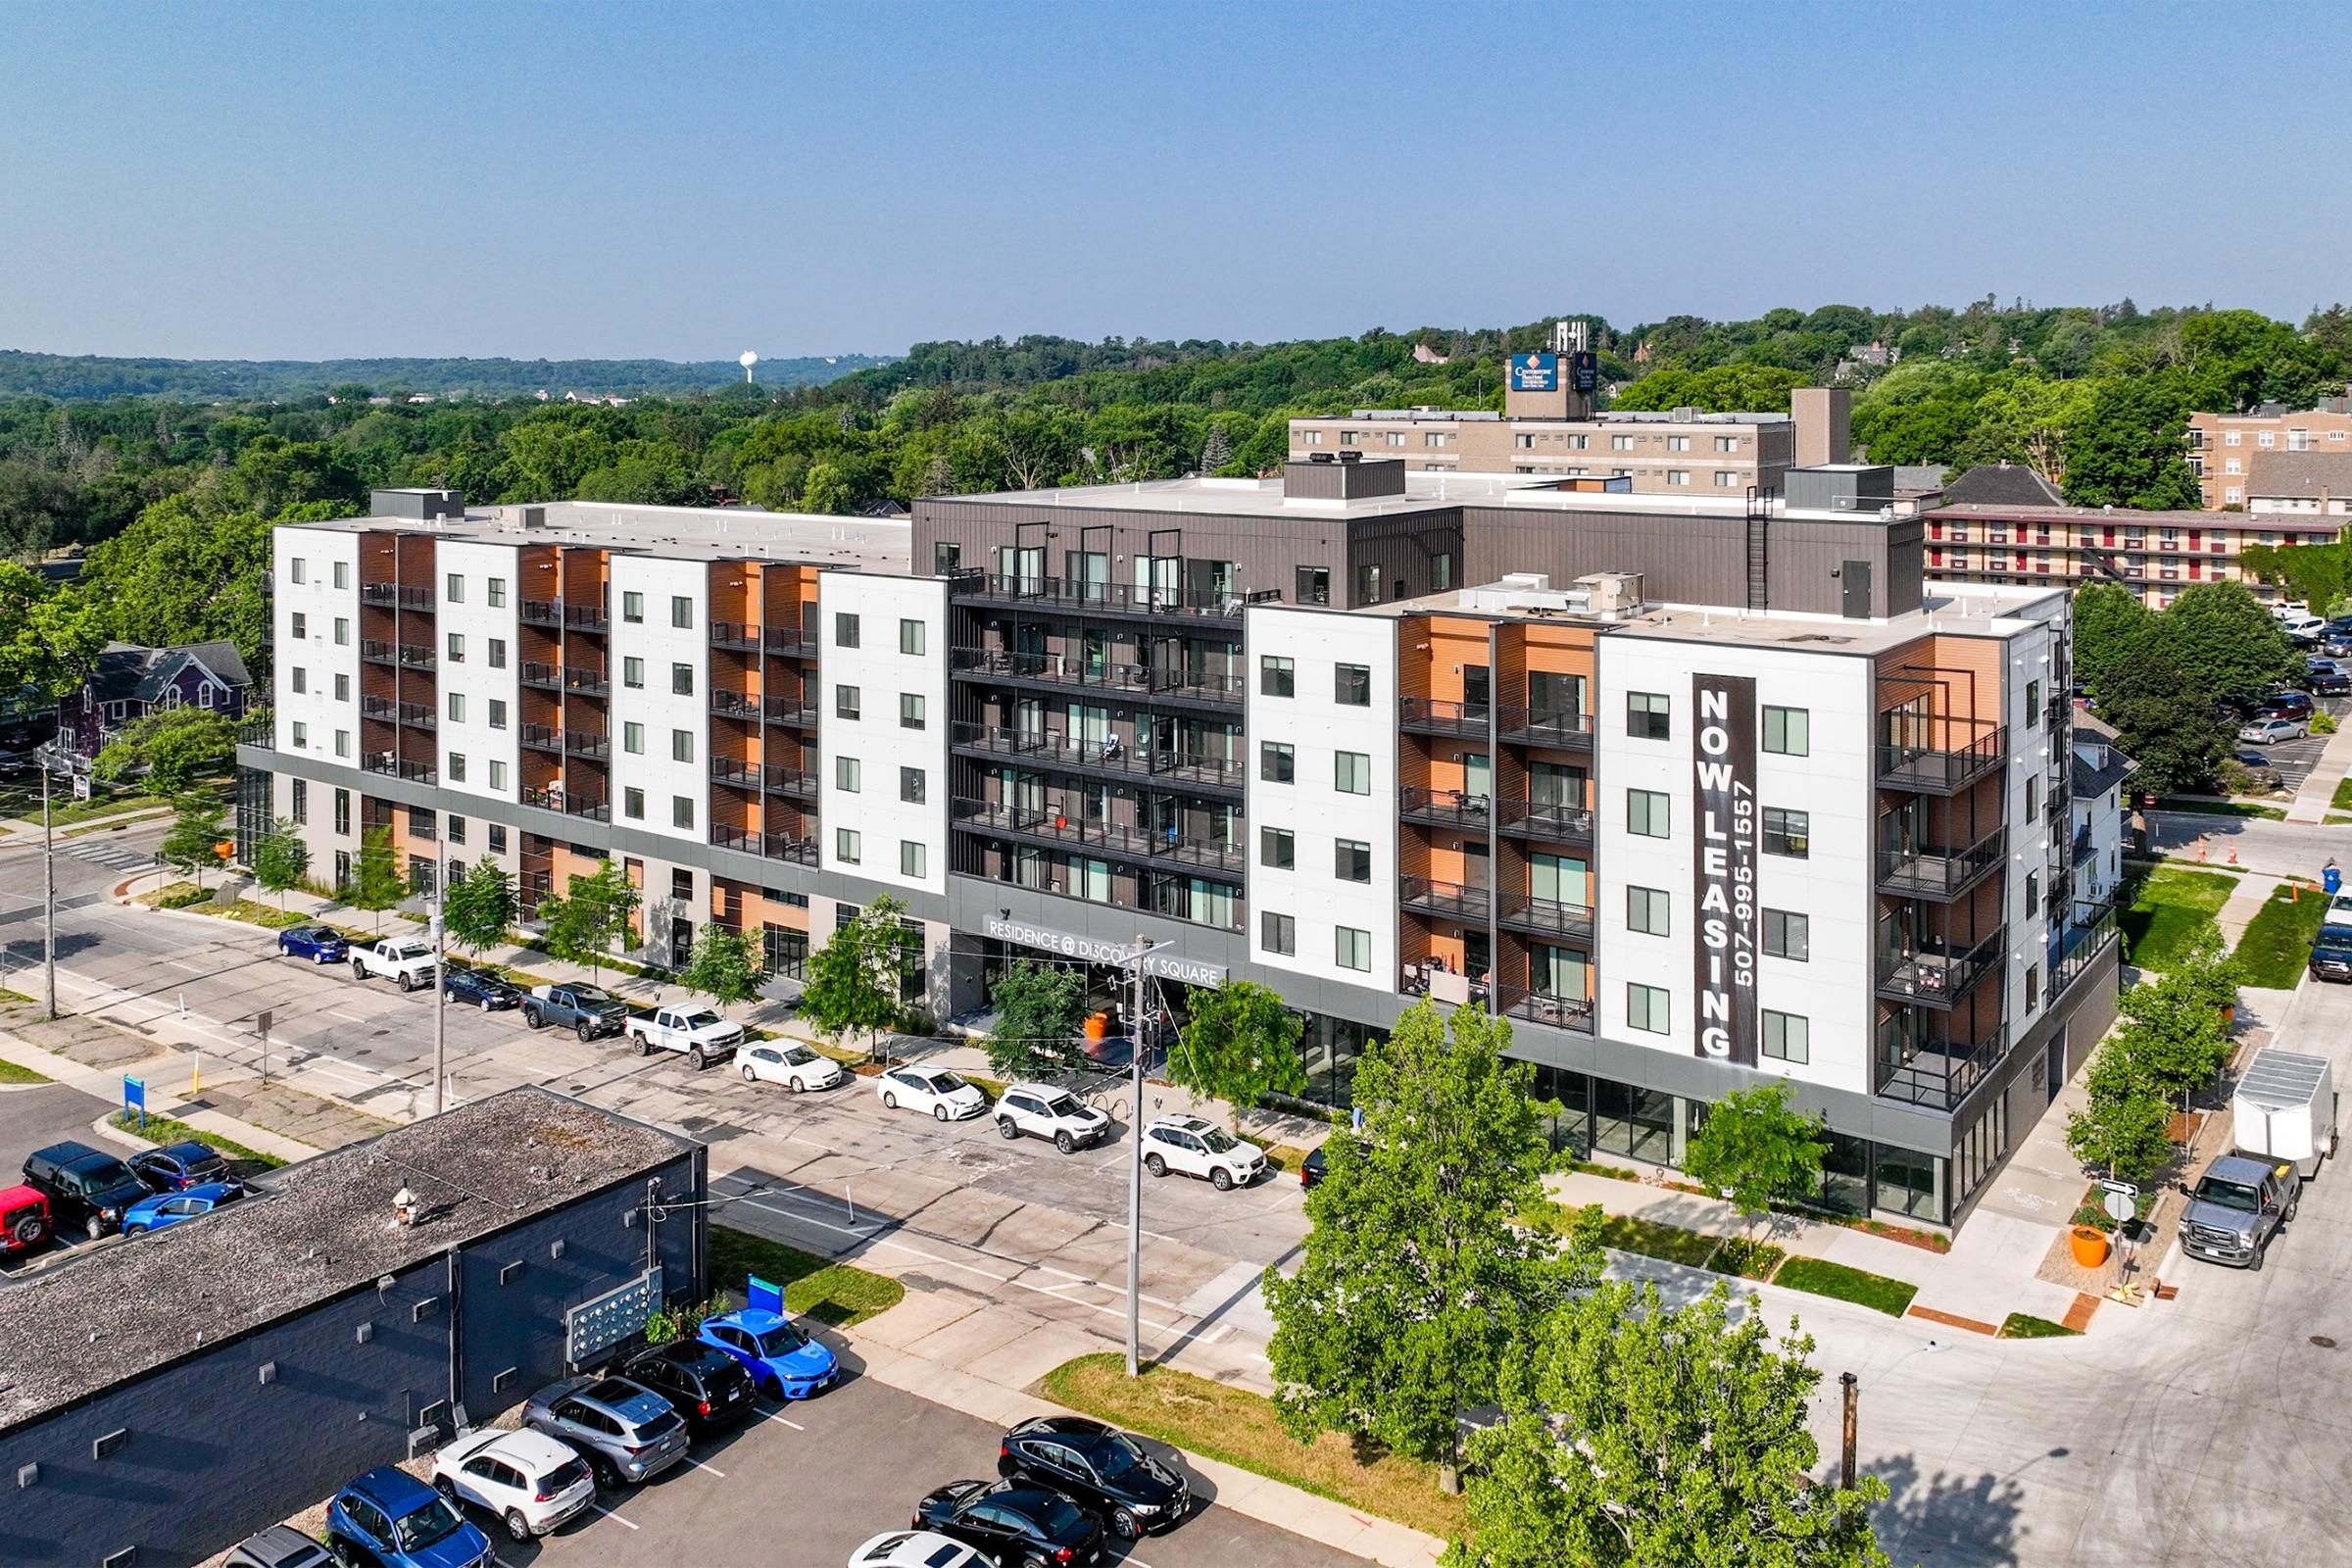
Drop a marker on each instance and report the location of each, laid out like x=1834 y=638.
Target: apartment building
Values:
x=1699 y=793
x=2155 y=554
x=2222 y=447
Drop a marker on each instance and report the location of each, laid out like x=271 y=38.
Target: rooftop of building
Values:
x=2281 y=411
x=2002 y=484
x=132 y=673
x=124 y=1308
x=2128 y=517
x=695 y=533
x=2300 y=475
x=1436 y=415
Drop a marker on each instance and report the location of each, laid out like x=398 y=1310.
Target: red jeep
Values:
x=24 y=1220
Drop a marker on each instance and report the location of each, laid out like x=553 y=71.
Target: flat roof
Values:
x=1953 y=608
x=90 y=1321
x=695 y=533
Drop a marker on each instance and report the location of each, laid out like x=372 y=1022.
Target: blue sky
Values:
x=686 y=180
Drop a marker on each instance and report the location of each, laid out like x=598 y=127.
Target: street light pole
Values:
x=48 y=892
x=440 y=927
x=1135 y=1171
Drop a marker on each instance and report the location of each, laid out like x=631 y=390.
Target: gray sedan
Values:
x=625 y=1430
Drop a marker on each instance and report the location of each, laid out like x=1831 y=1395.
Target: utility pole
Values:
x=48 y=889
x=440 y=937
x=1135 y=1172
x=1853 y=1395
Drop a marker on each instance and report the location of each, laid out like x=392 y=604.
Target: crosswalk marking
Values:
x=112 y=857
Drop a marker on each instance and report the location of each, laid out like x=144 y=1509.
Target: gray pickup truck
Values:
x=2236 y=1208
x=587 y=1011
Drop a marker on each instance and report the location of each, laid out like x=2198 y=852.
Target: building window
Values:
x=849 y=845
x=1726 y=480
x=845 y=630
x=681 y=680
x=456 y=592
x=456 y=834
x=1787 y=935
x=2033 y=988
x=342 y=632
x=1678 y=477
x=1367 y=583
x=1727 y=443
x=498 y=714
x=300 y=623
x=912 y=638
x=1352 y=685
x=497 y=774
x=457 y=707
x=632 y=736
x=296 y=567
x=1314 y=585
x=342 y=743
x=1352 y=860
x=914 y=786
x=681 y=811
x=1678 y=443
x=1279 y=933
x=846 y=702
x=1277 y=677
x=498 y=652
x=1645 y=910
x=632 y=607
x=1351 y=949
x=946 y=557
x=1648 y=716
x=457 y=767
x=456 y=648
x=302 y=734
x=342 y=813
x=632 y=674
x=342 y=575
x=681 y=746
x=302 y=801
x=497 y=838
x=300 y=679
x=848 y=774
x=1788 y=1037
x=497 y=592
x=1277 y=848
x=1352 y=773
x=913 y=711
x=1789 y=731
x=2032 y=703
x=912 y=858
x=681 y=612
x=632 y=803
x=1645 y=813
x=1277 y=763
x=1645 y=1008
x=1787 y=832
x=1621 y=443
x=1523 y=442
x=342 y=688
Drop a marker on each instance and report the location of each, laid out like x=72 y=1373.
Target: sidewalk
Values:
x=2311 y=802
x=2245 y=901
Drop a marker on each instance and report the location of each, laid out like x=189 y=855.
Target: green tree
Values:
x=184 y=574
x=1757 y=1150
x=1415 y=1287
x=827 y=489
x=1639 y=1435
x=853 y=980
x=590 y=916
x=2125 y=1131
x=2224 y=640
x=2128 y=448
x=49 y=637
x=2111 y=629
x=1240 y=1044
x=194 y=840
x=376 y=884
x=2172 y=1039
x=2166 y=722
x=175 y=745
x=281 y=858
x=480 y=907
x=723 y=966
x=1039 y=1009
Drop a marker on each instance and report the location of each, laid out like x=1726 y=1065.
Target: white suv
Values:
x=530 y=1480
x=1198 y=1147
x=1044 y=1111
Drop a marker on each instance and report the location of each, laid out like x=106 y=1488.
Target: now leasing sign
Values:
x=1724 y=805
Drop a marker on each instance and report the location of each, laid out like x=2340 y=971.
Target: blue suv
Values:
x=387 y=1518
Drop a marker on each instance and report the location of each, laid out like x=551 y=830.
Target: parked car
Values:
x=1099 y=1466
x=916 y=1548
x=278 y=1546
x=532 y=1483
x=164 y=1211
x=2336 y=643
x=1193 y=1147
x=790 y=1063
x=1317 y=1164
x=2236 y=1209
x=701 y=1033
x=321 y=944
x=945 y=1094
x=26 y=1221
x=84 y=1187
x=175 y=1168
x=1040 y=1110
x=1019 y=1526
x=479 y=988
x=589 y=1012
x=2337 y=913
x=2265 y=776
x=2329 y=682
x=624 y=1430
x=407 y=960
x=781 y=1358
x=705 y=1384
x=2302 y=630
x=2285 y=705
x=2268 y=731
x=387 y=1518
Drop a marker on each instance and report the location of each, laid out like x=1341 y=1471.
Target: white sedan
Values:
x=530 y=1480
x=793 y=1065
x=946 y=1096
x=916 y=1548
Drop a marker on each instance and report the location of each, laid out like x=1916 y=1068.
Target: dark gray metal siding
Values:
x=1683 y=560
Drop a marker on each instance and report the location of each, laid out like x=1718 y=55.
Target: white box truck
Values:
x=2284 y=1110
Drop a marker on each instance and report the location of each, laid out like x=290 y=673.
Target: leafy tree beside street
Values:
x=480 y=907
x=176 y=747
x=281 y=858
x=1040 y=1008
x=591 y=914
x=1240 y=1044
x=2225 y=642
x=376 y=884
x=1757 y=1150
x=194 y=840
x=2164 y=723
x=724 y=966
x=48 y=638
x=853 y=983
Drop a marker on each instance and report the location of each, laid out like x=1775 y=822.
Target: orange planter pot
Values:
x=2088 y=1244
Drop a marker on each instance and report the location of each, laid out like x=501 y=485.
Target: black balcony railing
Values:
x=1424 y=895
x=795 y=641
x=1544 y=726
x=379 y=593
x=586 y=617
x=767 y=846
x=584 y=681
x=416 y=598
x=1572 y=1013
x=1937 y=973
x=417 y=715
x=383 y=707
x=1924 y=769
x=377 y=651
x=260 y=733
x=541 y=612
x=1052 y=749
x=1425 y=715
x=1047 y=822
x=1919 y=1066
x=587 y=807
x=1222 y=687
x=2083 y=849
x=734 y=634
x=1079 y=595
x=745 y=775
x=1451 y=809
x=733 y=703
x=546 y=677
x=1523 y=912
x=1939 y=874
x=1547 y=819
x=409 y=769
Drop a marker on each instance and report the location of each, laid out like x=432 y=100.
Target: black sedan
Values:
x=710 y=1388
x=477 y=987
x=1099 y=1466
x=1017 y=1525
x=2331 y=954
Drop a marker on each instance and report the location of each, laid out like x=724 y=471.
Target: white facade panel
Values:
x=901 y=842
x=471 y=628
x=2037 y=754
x=657 y=705
x=325 y=658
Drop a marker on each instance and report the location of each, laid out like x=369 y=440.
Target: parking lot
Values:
x=2294 y=759
x=34 y=1117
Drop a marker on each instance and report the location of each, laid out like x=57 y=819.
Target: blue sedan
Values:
x=771 y=1348
x=321 y=944
x=165 y=1209
x=477 y=988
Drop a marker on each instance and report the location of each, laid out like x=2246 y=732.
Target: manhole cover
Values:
x=2323 y=1342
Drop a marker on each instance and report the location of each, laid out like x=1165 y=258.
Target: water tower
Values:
x=747 y=358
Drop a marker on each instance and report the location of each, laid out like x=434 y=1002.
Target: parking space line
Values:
x=778 y=1415
x=699 y=1465
x=609 y=1514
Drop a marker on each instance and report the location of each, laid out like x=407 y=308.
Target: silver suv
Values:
x=625 y=1430
x=1040 y=1110
x=2236 y=1208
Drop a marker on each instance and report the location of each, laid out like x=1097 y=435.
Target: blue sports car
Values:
x=321 y=944
x=165 y=1209
x=781 y=1358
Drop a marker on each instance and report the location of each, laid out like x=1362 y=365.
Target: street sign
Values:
x=81 y=786
x=759 y=1293
x=2120 y=1206
x=134 y=1098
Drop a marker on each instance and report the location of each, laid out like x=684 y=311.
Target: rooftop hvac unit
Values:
x=1613 y=592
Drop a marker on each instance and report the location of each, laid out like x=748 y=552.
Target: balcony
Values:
x=541 y=612
x=1450 y=900
x=1925 y=770
x=409 y=656
x=583 y=806
x=383 y=707
x=1423 y=716
x=1534 y=1007
x=393 y=766
x=1543 y=819
x=1544 y=726
x=1939 y=972
x=1940 y=874
x=417 y=715
x=1918 y=1067
x=745 y=775
x=767 y=846
x=1080 y=597
x=2084 y=852
x=733 y=703
x=734 y=634
x=566 y=741
x=791 y=642
x=1447 y=808
x=1042 y=824
x=379 y=593
x=1549 y=917
x=416 y=599
x=556 y=612
x=1143 y=682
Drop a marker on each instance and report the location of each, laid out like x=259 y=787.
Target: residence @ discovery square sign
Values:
x=1158 y=963
x=1723 y=798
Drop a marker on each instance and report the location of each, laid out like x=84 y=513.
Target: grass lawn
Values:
x=1823 y=1277
x=2277 y=941
x=161 y=1130
x=830 y=1293
x=10 y=1072
x=1627 y=1234
x=66 y=810
x=1238 y=1427
x=2171 y=907
x=2026 y=1326
x=2269 y=813
x=2342 y=800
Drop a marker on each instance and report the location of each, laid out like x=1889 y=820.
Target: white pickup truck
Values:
x=407 y=960
x=698 y=1032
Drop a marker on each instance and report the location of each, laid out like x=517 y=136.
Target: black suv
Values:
x=710 y=1388
x=1016 y=1525
x=1099 y=1466
x=84 y=1186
